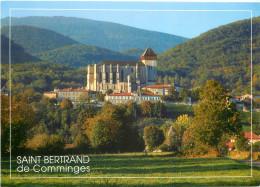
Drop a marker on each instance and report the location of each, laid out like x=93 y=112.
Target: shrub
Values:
x=241 y=143
x=256 y=147
x=46 y=144
x=153 y=137
x=66 y=103
x=165 y=148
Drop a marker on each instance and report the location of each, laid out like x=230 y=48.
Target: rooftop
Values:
x=129 y=94
x=74 y=90
x=157 y=86
x=121 y=63
x=248 y=135
x=121 y=94
x=149 y=52
x=49 y=92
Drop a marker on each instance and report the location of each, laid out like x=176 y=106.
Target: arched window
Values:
x=107 y=78
x=114 y=78
x=122 y=76
x=100 y=77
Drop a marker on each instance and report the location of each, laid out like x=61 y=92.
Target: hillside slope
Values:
x=18 y=55
x=35 y=39
x=223 y=53
x=80 y=55
x=108 y=35
x=133 y=52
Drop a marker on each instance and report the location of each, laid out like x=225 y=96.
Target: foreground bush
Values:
x=44 y=143
x=153 y=137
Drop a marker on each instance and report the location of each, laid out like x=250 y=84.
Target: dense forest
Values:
x=18 y=55
x=43 y=76
x=133 y=52
x=35 y=39
x=109 y=35
x=222 y=54
x=80 y=55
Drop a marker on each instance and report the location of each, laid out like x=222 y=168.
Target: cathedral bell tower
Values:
x=149 y=58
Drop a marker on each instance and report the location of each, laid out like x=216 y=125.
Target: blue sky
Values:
x=146 y=15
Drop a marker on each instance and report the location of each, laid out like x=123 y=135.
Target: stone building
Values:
x=138 y=97
x=74 y=95
x=123 y=76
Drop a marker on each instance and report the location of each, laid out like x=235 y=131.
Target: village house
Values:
x=51 y=94
x=157 y=89
x=74 y=95
x=123 y=98
x=247 y=135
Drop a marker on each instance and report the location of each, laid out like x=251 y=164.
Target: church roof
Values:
x=149 y=52
x=121 y=63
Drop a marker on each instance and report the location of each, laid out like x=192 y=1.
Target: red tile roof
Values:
x=49 y=92
x=248 y=135
x=230 y=144
x=74 y=90
x=149 y=94
x=157 y=86
x=237 y=96
x=149 y=52
x=120 y=94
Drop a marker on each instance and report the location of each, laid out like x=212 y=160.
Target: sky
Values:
x=178 y=18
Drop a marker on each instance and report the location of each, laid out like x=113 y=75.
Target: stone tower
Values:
x=149 y=58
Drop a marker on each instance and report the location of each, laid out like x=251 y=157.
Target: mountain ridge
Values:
x=108 y=35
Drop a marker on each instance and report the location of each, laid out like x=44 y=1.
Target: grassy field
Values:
x=140 y=165
x=175 y=110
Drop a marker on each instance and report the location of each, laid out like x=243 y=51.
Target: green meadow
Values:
x=115 y=168
x=175 y=110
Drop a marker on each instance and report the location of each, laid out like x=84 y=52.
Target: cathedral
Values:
x=123 y=76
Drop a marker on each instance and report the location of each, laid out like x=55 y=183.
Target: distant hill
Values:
x=35 y=40
x=222 y=53
x=18 y=55
x=80 y=55
x=133 y=52
x=108 y=35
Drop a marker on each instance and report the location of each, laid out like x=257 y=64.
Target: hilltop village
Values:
x=120 y=81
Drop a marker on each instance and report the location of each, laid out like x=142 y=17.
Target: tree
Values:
x=165 y=80
x=241 y=142
x=85 y=98
x=146 y=108
x=159 y=80
x=172 y=93
x=173 y=140
x=171 y=80
x=153 y=137
x=109 y=91
x=182 y=123
x=46 y=144
x=159 y=109
x=132 y=109
x=187 y=140
x=111 y=129
x=214 y=116
x=66 y=104
x=22 y=119
x=104 y=136
x=184 y=93
x=256 y=147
